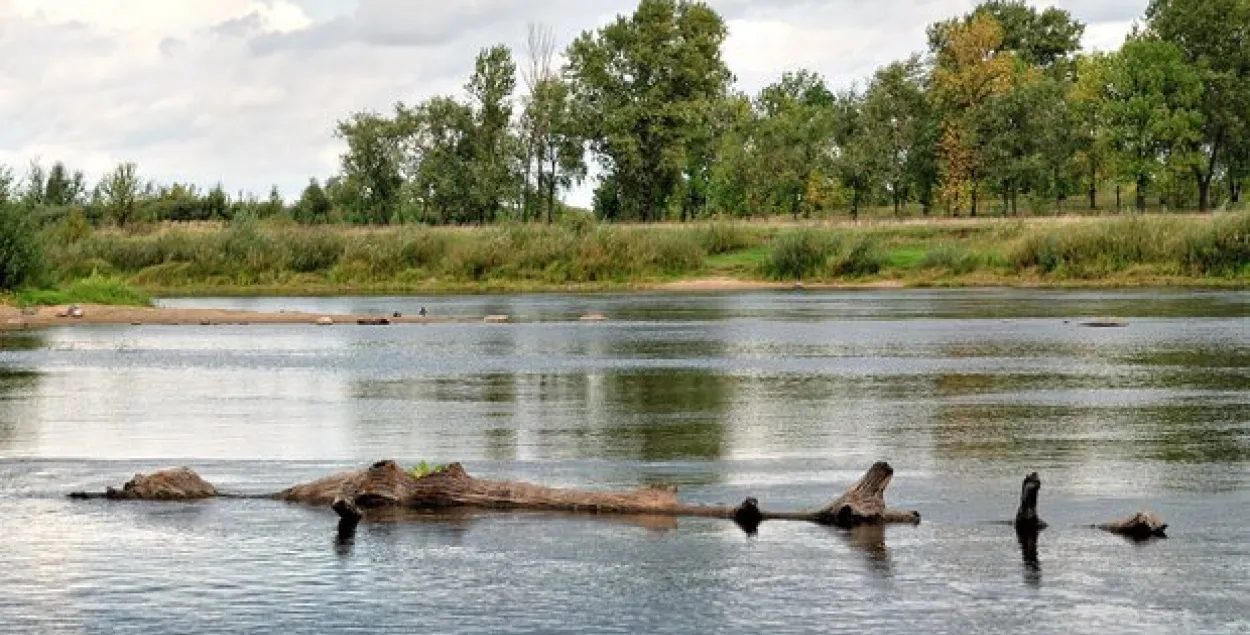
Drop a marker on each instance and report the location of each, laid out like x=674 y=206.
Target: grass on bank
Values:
x=91 y=290
x=247 y=256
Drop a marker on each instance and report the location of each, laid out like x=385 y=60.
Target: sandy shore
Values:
x=38 y=317
x=731 y=284
x=12 y=317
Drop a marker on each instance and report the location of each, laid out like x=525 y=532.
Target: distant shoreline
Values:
x=16 y=318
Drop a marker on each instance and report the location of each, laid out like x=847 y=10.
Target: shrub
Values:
x=798 y=255
x=858 y=257
x=953 y=259
x=21 y=259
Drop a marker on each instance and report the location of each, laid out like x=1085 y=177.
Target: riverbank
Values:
x=250 y=258
x=13 y=317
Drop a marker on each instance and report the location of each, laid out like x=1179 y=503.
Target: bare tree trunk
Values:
x=1204 y=190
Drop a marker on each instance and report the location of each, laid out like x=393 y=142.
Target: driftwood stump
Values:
x=384 y=485
x=1026 y=515
x=1140 y=526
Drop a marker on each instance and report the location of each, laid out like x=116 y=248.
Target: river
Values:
x=785 y=396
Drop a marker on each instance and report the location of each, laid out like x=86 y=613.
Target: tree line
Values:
x=1004 y=109
x=1002 y=113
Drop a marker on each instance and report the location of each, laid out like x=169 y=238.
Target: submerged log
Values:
x=384 y=485
x=1140 y=526
x=173 y=484
x=1027 y=519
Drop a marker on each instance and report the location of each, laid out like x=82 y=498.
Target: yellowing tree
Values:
x=971 y=70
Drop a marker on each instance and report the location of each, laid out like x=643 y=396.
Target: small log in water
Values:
x=385 y=485
x=1141 y=526
x=174 y=484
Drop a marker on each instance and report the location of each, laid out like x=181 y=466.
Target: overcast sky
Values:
x=247 y=92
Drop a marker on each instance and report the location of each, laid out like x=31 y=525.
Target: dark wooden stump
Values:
x=1026 y=515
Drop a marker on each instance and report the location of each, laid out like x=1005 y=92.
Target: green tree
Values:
x=1092 y=143
x=1045 y=38
x=371 y=176
x=646 y=85
x=119 y=192
x=495 y=177
x=439 y=150
x=8 y=185
x=314 y=205
x=21 y=259
x=732 y=183
x=895 y=112
x=792 y=137
x=1152 y=108
x=860 y=152
x=217 y=204
x=559 y=151
x=275 y=205
x=62 y=188
x=1214 y=38
x=36 y=184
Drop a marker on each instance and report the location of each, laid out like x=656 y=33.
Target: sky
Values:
x=247 y=92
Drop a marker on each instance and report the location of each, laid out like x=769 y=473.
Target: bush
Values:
x=859 y=257
x=798 y=255
x=21 y=259
x=953 y=259
x=722 y=237
x=1219 y=249
x=93 y=290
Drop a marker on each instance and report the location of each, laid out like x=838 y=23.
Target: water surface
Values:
x=784 y=396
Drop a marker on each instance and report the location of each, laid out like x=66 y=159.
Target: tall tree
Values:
x=537 y=127
x=1045 y=38
x=560 y=153
x=647 y=84
x=1152 y=108
x=794 y=139
x=371 y=167
x=860 y=151
x=119 y=191
x=36 y=183
x=63 y=188
x=1092 y=143
x=314 y=204
x=439 y=151
x=972 y=69
x=894 y=112
x=1214 y=36
x=490 y=90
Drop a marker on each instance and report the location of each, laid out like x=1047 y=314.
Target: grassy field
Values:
x=257 y=258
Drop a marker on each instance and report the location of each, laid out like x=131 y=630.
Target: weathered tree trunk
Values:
x=1026 y=515
x=384 y=485
x=1140 y=526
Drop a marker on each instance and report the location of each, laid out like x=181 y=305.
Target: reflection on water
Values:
x=785 y=397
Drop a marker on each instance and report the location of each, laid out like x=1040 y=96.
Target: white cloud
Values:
x=248 y=91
